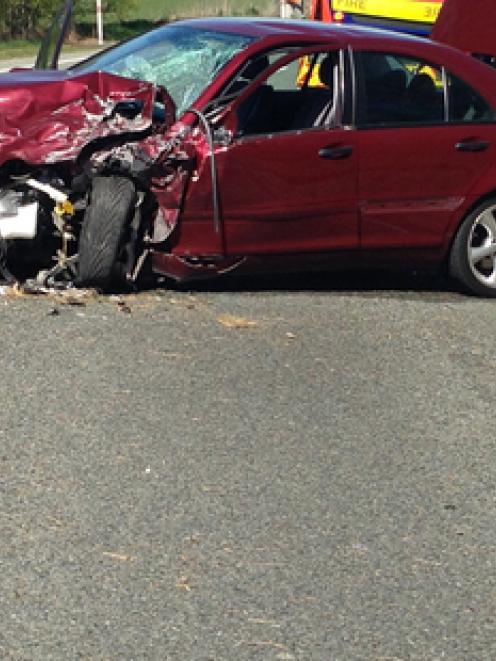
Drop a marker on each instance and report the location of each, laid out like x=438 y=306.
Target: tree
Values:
x=21 y=19
x=119 y=8
x=24 y=19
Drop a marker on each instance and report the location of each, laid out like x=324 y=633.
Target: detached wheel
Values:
x=473 y=254
x=107 y=233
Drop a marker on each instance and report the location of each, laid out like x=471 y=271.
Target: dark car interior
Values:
x=398 y=90
x=270 y=110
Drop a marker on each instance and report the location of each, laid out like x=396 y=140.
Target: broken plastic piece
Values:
x=65 y=208
x=21 y=225
x=58 y=196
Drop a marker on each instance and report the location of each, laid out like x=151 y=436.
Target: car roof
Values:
x=298 y=29
x=276 y=30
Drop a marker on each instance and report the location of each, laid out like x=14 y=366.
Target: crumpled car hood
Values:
x=49 y=116
x=468 y=26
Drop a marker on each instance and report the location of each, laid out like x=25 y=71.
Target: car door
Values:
x=417 y=164
x=287 y=179
x=48 y=54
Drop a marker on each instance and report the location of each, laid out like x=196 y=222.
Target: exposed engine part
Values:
x=139 y=265
x=10 y=200
x=60 y=276
x=21 y=223
x=5 y=273
x=57 y=195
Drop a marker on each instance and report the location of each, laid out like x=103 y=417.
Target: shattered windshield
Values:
x=181 y=58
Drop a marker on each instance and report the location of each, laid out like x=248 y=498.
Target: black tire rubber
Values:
x=106 y=221
x=459 y=267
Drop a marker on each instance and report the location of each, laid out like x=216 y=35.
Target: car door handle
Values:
x=472 y=145
x=336 y=153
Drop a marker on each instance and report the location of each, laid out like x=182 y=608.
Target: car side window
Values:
x=299 y=95
x=399 y=90
x=465 y=104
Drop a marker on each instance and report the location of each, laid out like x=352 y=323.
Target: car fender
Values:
x=53 y=120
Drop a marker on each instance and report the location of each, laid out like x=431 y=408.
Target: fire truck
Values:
x=413 y=16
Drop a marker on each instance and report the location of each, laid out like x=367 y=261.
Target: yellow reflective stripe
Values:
x=303 y=73
x=408 y=10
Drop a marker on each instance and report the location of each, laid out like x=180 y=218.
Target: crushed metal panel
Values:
x=53 y=120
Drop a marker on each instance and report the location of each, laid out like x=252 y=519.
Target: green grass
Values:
x=14 y=49
x=171 y=9
x=10 y=49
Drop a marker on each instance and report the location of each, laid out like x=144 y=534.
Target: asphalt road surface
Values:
x=282 y=469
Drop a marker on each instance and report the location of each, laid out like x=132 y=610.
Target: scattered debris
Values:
x=192 y=540
x=231 y=321
x=65 y=296
x=361 y=548
x=119 y=556
x=264 y=643
x=212 y=489
x=184 y=584
x=123 y=307
x=260 y=620
x=74 y=300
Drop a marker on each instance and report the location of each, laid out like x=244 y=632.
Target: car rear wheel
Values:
x=106 y=243
x=473 y=254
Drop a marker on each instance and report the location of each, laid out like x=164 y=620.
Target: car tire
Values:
x=472 y=260
x=104 y=238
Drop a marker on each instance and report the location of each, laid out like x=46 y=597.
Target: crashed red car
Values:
x=197 y=149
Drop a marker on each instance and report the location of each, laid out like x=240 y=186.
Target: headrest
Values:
x=255 y=67
x=423 y=84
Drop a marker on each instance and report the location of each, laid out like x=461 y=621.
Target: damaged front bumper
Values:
x=56 y=138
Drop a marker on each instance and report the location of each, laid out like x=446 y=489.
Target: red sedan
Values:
x=253 y=144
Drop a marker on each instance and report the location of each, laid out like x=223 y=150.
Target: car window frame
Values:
x=358 y=82
x=451 y=122
x=360 y=92
x=225 y=116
